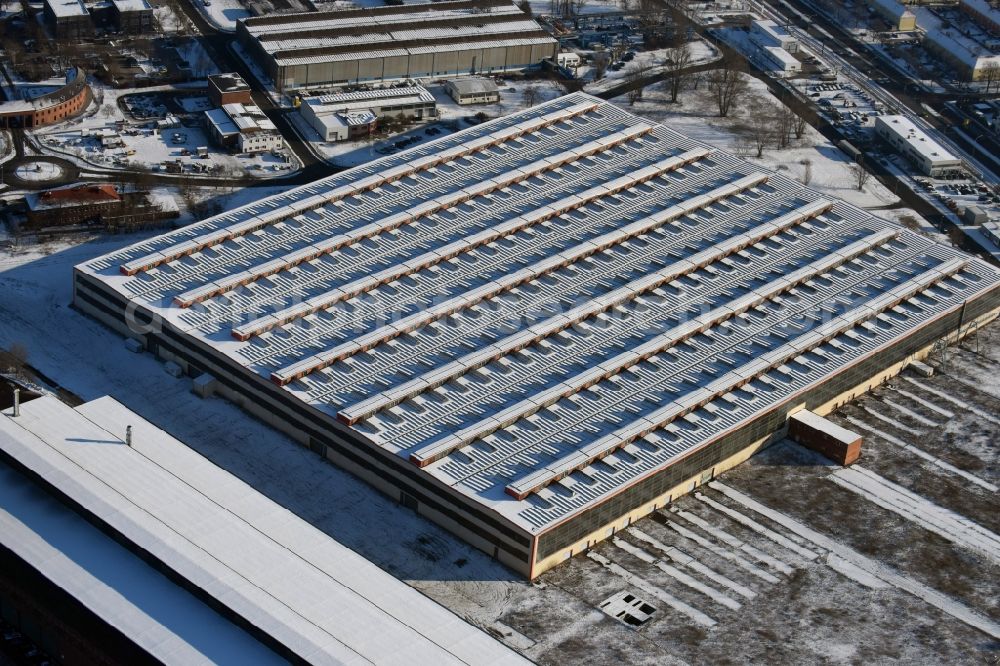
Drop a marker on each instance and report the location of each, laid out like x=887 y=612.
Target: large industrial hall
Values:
x=395 y=43
x=544 y=327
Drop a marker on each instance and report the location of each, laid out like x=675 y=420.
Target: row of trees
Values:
x=768 y=124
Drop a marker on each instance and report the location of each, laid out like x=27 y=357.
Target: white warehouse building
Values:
x=340 y=116
x=766 y=33
x=913 y=143
x=546 y=326
x=395 y=43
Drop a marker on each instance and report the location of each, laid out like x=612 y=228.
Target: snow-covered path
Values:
x=871 y=567
x=957 y=529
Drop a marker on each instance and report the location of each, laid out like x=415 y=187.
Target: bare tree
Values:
x=761 y=128
x=530 y=95
x=634 y=76
x=799 y=126
x=743 y=146
x=785 y=123
x=600 y=65
x=990 y=75
x=860 y=175
x=728 y=86
x=678 y=62
x=807 y=172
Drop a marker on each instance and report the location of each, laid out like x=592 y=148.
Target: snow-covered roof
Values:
x=781 y=56
x=984 y=8
x=472 y=85
x=132 y=5
x=67 y=8
x=237 y=118
x=256 y=559
x=771 y=28
x=168 y=622
x=892 y=8
x=919 y=140
x=222 y=123
x=970 y=52
x=378 y=94
x=544 y=309
x=362 y=100
x=229 y=82
x=384 y=31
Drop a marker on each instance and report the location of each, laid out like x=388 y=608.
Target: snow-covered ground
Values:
x=171 y=22
x=650 y=61
x=151 y=148
x=38 y=172
x=828 y=166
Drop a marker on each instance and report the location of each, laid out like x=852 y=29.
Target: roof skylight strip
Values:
x=434 y=378
x=340 y=241
x=585 y=456
x=391 y=175
x=547 y=265
x=437 y=450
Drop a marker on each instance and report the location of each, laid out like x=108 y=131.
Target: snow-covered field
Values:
x=651 y=61
x=828 y=166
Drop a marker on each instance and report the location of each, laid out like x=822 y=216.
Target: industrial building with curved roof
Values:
x=541 y=328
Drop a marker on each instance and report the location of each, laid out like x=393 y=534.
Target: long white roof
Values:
x=166 y=621
x=390 y=31
x=918 y=139
x=322 y=601
x=544 y=309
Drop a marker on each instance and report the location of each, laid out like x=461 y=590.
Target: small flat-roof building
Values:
x=766 y=33
x=913 y=143
x=133 y=17
x=343 y=125
x=541 y=328
x=346 y=115
x=412 y=41
x=243 y=128
x=472 y=90
x=228 y=89
x=171 y=559
x=779 y=60
x=568 y=59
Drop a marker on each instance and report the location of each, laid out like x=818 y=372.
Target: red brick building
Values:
x=94 y=203
x=64 y=103
x=228 y=89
